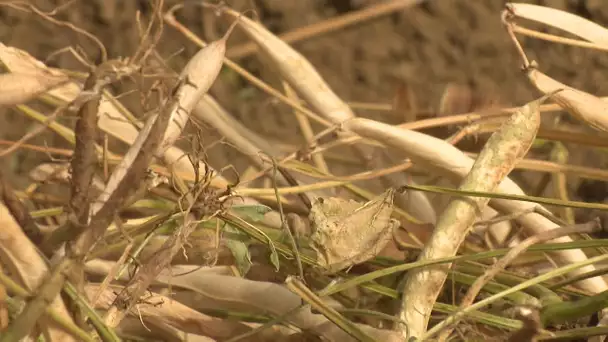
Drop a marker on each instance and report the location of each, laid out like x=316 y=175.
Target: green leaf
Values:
x=274 y=258
x=239 y=250
x=254 y=212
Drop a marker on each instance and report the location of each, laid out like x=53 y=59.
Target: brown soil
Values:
x=424 y=47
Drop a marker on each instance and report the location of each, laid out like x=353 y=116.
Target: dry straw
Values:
x=95 y=201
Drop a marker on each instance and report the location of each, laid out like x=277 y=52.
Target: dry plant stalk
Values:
x=498 y=157
x=113 y=118
x=156 y=136
x=195 y=80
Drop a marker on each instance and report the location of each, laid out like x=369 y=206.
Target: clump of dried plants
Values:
x=147 y=237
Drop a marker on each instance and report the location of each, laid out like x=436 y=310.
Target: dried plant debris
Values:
x=346 y=233
x=123 y=235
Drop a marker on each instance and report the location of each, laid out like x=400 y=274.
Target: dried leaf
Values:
x=346 y=233
x=584 y=106
x=255 y=212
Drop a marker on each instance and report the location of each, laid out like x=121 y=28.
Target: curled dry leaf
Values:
x=346 y=233
x=584 y=106
x=562 y=20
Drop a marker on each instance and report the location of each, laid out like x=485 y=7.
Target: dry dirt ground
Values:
x=424 y=47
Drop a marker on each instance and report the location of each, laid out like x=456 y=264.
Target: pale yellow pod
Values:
x=562 y=20
x=19 y=88
x=194 y=81
x=297 y=71
x=584 y=106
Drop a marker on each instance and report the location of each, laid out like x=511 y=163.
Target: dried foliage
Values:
x=142 y=230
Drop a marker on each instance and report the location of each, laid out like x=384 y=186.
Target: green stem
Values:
x=567 y=311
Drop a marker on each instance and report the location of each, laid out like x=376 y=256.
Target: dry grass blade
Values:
x=498 y=157
x=306 y=129
x=233 y=293
x=214 y=288
x=245 y=140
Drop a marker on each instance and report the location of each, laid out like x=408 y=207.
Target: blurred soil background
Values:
x=423 y=48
